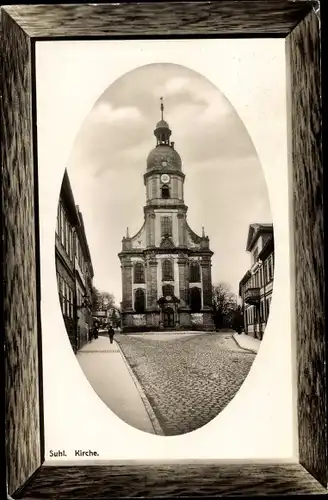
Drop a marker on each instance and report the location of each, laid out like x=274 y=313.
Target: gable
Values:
x=167 y=243
x=139 y=239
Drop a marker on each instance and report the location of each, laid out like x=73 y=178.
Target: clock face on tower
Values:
x=165 y=178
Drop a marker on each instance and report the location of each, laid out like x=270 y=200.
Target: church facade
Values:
x=166 y=267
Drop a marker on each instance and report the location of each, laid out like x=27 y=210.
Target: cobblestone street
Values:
x=188 y=379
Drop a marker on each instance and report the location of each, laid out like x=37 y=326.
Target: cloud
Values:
x=139 y=152
x=172 y=86
x=224 y=189
x=105 y=112
x=194 y=91
x=211 y=114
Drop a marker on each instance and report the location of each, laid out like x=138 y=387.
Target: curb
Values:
x=244 y=348
x=150 y=412
x=164 y=332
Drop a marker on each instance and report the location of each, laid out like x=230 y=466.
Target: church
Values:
x=166 y=267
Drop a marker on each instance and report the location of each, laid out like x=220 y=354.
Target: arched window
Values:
x=139 y=273
x=166 y=226
x=139 y=301
x=165 y=192
x=168 y=290
x=194 y=272
x=195 y=300
x=167 y=270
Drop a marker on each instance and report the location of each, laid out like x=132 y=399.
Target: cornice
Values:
x=163 y=170
x=157 y=250
x=177 y=206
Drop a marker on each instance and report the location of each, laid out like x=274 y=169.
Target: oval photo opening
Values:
x=164 y=249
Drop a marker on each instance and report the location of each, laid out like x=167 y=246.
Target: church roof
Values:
x=162 y=124
x=163 y=153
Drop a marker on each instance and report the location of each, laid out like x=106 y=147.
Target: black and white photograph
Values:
x=173 y=309
x=160 y=227
x=163 y=255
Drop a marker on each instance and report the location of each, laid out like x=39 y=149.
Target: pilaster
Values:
x=127 y=302
x=150 y=227
x=182 y=228
x=152 y=283
x=183 y=281
x=207 y=282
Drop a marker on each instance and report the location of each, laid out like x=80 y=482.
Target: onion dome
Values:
x=164 y=157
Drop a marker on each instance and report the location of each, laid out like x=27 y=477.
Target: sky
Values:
x=224 y=188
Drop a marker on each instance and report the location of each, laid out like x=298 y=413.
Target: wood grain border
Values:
x=22 y=27
x=19 y=251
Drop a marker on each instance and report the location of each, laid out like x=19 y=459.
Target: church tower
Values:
x=166 y=267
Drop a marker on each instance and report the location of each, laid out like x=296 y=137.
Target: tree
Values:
x=95 y=299
x=102 y=301
x=224 y=303
x=107 y=301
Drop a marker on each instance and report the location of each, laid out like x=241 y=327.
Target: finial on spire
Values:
x=203 y=232
x=162 y=108
x=127 y=232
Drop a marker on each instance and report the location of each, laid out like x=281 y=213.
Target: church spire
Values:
x=162 y=130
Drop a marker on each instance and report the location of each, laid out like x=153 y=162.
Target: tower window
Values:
x=194 y=272
x=167 y=270
x=139 y=301
x=166 y=226
x=195 y=300
x=168 y=290
x=139 y=273
x=165 y=192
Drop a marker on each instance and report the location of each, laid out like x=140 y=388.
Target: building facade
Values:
x=111 y=316
x=166 y=267
x=83 y=283
x=74 y=268
x=255 y=288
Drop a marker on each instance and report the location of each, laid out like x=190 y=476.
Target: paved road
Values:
x=187 y=379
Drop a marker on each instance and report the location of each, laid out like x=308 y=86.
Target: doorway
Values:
x=169 y=318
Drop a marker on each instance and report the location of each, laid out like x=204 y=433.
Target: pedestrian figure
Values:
x=111 y=333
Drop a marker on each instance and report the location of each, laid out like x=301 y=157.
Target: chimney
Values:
x=172 y=145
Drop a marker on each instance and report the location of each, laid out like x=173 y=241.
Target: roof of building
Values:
x=255 y=230
x=246 y=277
x=244 y=280
x=267 y=249
x=67 y=198
x=164 y=153
x=162 y=124
x=74 y=215
x=83 y=239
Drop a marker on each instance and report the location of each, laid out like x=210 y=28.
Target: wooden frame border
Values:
x=22 y=26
